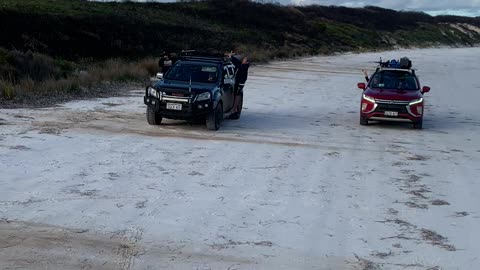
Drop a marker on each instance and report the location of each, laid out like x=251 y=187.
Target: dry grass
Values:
x=79 y=82
x=115 y=70
x=150 y=65
x=6 y=90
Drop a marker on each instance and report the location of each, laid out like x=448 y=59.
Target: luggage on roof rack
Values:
x=394 y=64
x=403 y=63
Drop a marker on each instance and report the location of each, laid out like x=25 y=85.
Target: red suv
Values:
x=393 y=94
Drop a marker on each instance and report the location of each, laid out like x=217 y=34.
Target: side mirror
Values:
x=159 y=76
x=362 y=86
x=426 y=89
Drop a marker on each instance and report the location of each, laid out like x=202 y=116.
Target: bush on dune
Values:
x=33 y=75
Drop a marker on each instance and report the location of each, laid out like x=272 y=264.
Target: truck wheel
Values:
x=237 y=115
x=215 y=118
x=418 y=125
x=153 y=118
x=363 y=121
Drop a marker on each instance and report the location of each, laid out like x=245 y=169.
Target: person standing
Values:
x=165 y=63
x=241 y=75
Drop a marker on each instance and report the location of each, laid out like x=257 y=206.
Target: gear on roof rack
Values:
x=403 y=63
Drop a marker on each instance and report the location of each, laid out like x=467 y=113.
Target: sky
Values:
x=433 y=7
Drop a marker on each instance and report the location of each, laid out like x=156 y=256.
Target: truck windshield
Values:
x=389 y=79
x=197 y=72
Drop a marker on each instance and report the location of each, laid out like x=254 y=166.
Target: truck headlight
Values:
x=153 y=92
x=204 y=96
x=368 y=98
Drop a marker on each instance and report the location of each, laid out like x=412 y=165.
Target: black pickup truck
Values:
x=194 y=88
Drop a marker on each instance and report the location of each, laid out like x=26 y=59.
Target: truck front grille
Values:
x=174 y=95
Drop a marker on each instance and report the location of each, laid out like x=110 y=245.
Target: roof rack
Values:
x=396 y=69
x=205 y=56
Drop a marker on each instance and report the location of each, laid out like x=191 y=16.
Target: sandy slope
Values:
x=296 y=183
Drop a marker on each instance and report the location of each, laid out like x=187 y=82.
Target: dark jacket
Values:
x=241 y=70
x=166 y=62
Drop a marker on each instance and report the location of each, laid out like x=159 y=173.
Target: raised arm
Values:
x=366 y=75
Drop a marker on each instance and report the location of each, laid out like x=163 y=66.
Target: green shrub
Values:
x=38 y=67
x=65 y=67
x=3 y=56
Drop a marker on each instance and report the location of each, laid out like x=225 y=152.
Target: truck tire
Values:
x=153 y=118
x=236 y=116
x=215 y=118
